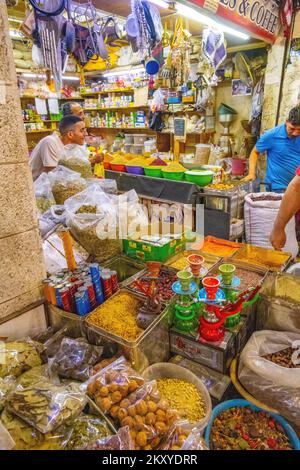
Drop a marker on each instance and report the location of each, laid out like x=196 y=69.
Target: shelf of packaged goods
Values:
x=29 y=97
x=127 y=108
x=35 y=122
x=39 y=131
x=106 y=92
x=123 y=128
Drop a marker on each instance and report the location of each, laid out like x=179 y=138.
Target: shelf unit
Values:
x=122 y=108
x=107 y=92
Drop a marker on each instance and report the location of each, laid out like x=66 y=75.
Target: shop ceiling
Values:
x=122 y=8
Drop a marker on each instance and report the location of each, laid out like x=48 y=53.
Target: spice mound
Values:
x=118 y=316
x=174 y=168
x=158 y=162
x=245 y=429
x=183 y=397
x=87 y=209
x=283 y=358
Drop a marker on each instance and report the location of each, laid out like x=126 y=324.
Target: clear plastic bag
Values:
x=19 y=356
x=76 y=158
x=26 y=437
x=6 y=441
x=121 y=441
x=86 y=429
x=46 y=406
x=195 y=441
x=75 y=359
x=92 y=219
x=51 y=218
x=43 y=193
x=65 y=183
x=7 y=384
x=271 y=383
x=108 y=186
x=35 y=375
x=183 y=436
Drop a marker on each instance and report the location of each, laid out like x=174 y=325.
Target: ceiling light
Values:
x=41 y=75
x=124 y=72
x=15 y=20
x=160 y=3
x=193 y=14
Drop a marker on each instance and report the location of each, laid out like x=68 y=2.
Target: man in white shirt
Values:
x=50 y=149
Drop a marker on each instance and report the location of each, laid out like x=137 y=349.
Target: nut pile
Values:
x=163 y=284
x=283 y=358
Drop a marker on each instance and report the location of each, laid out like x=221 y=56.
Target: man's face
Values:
x=292 y=130
x=77 y=110
x=77 y=133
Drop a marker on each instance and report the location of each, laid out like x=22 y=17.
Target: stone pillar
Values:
x=21 y=259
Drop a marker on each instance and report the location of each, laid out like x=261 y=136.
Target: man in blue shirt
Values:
x=282 y=145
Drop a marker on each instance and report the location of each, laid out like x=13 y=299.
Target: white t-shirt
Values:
x=48 y=152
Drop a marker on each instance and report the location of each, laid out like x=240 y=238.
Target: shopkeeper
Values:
x=282 y=145
x=50 y=149
x=289 y=206
x=73 y=108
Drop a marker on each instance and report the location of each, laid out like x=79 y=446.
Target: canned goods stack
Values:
x=82 y=290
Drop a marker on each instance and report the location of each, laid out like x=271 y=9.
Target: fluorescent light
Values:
x=41 y=75
x=160 y=3
x=193 y=14
x=15 y=34
x=65 y=77
x=123 y=72
x=15 y=20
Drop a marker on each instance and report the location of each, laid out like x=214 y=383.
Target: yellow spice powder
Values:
x=183 y=397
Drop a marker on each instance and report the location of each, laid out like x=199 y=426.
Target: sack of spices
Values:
x=7 y=384
x=26 y=437
x=92 y=219
x=19 y=356
x=120 y=441
x=86 y=429
x=76 y=158
x=112 y=385
x=269 y=369
x=108 y=186
x=75 y=359
x=43 y=193
x=46 y=406
x=65 y=183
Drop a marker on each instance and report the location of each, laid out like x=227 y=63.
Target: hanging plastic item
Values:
x=213 y=45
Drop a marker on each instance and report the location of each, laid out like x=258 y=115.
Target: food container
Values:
x=180 y=261
x=139 y=139
x=219 y=247
x=106 y=166
x=59 y=319
x=173 y=371
x=121 y=168
x=278 y=306
x=127 y=148
x=169 y=272
x=135 y=170
x=199 y=177
x=152 y=346
x=263 y=257
x=154 y=172
x=202 y=154
x=129 y=139
x=137 y=149
x=232 y=201
x=147 y=251
x=173 y=175
x=125 y=267
x=242 y=403
x=150 y=145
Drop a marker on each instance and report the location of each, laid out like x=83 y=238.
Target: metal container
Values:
x=230 y=201
x=58 y=319
x=262 y=257
x=278 y=307
x=150 y=347
x=210 y=260
x=125 y=267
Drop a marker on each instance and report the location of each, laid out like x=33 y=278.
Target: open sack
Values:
x=272 y=384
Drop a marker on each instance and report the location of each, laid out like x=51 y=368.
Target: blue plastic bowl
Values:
x=294 y=440
x=135 y=170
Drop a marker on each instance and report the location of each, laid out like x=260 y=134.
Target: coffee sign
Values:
x=259 y=17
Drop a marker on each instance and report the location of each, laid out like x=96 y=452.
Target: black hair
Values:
x=67 y=108
x=67 y=122
x=294 y=116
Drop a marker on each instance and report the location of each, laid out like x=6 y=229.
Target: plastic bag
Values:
x=273 y=384
x=108 y=186
x=92 y=219
x=51 y=218
x=182 y=436
x=195 y=441
x=65 y=183
x=111 y=386
x=6 y=441
x=86 y=429
x=46 y=406
x=43 y=193
x=75 y=359
x=35 y=375
x=19 y=356
x=121 y=441
x=7 y=384
x=76 y=158
x=265 y=206
x=25 y=437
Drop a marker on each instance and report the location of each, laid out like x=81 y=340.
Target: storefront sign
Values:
x=259 y=17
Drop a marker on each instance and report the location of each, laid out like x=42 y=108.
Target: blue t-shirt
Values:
x=283 y=156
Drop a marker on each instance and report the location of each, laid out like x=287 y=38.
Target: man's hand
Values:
x=248 y=178
x=278 y=238
x=98 y=158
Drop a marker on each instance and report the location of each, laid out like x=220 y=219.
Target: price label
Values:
x=211 y=5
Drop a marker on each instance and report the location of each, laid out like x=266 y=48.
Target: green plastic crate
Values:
x=146 y=251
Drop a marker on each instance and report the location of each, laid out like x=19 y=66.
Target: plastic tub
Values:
x=121 y=168
x=170 y=175
x=139 y=139
x=242 y=403
x=200 y=177
x=106 y=166
x=128 y=138
x=173 y=371
x=155 y=172
x=135 y=170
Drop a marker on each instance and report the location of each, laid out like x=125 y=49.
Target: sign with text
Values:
x=260 y=18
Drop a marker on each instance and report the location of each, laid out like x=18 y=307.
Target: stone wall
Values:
x=21 y=259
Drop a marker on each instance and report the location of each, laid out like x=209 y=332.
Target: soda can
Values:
x=65 y=298
x=92 y=295
x=114 y=281
x=94 y=269
x=85 y=296
x=52 y=293
x=80 y=306
x=72 y=291
x=58 y=288
x=106 y=284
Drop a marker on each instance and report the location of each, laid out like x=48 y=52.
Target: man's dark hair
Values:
x=67 y=123
x=67 y=109
x=294 y=116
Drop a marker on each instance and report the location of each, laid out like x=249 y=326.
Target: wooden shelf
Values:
x=123 y=128
x=106 y=92
x=42 y=131
x=36 y=122
x=127 y=108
